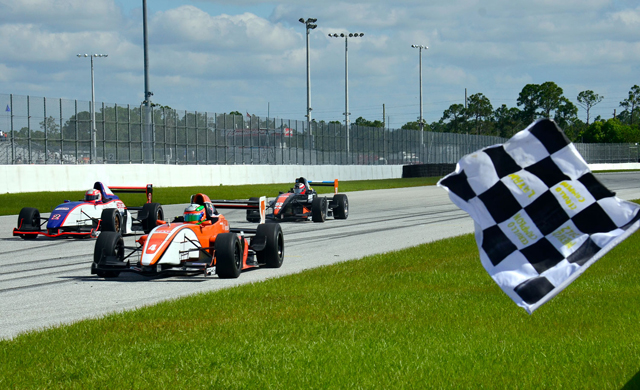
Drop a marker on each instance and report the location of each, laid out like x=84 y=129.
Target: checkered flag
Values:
x=541 y=217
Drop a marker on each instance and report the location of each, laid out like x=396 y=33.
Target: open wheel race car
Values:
x=302 y=203
x=200 y=241
x=100 y=210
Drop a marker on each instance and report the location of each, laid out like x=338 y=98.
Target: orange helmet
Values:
x=92 y=196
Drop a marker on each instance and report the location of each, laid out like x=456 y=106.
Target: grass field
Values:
x=10 y=204
x=424 y=317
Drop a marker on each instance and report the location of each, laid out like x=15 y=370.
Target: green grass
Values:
x=10 y=204
x=424 y=317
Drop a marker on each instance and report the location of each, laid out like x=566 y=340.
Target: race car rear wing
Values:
x=260 y=205
x=148 y=190
x=327 y=184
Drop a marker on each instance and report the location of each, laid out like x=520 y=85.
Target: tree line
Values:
x=536 y=101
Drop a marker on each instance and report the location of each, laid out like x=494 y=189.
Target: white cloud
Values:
x=196 y=30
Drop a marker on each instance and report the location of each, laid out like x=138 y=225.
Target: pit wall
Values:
x=36 y=178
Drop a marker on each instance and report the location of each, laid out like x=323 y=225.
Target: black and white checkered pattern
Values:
x=541 y=216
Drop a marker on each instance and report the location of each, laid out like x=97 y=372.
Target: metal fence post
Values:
x=186 y=137
x=13 y=137
x=197 y=140
x=115 y=113
x=29 y=129
x=104 y=136
x=61 y=133
x=206 y=134
x=46 y=144
x=129 y=129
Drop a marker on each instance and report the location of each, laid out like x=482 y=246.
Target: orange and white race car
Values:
x=199 y=241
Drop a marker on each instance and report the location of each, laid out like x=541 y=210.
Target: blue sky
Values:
x=251 y=56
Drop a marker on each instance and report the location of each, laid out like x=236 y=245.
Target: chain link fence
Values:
x=37 y=130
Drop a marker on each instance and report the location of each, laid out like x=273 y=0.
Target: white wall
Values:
x=35 y=178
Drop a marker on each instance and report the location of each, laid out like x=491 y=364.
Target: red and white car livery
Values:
x=86 y=218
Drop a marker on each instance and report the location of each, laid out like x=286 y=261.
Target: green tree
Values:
x=550 y=98
x=50 y=126
x=479 y=107
x=507 y=120
x=611 y=131
x=455 y=116
x=631 y=103
x=588 y=99
x=365 y=123
x=529 y=99
x=566 y=114
x=411 y=126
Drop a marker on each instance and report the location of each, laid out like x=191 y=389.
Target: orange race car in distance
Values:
x=302 y=203
x=199 y=241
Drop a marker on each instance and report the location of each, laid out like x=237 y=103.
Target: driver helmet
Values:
x=300 y=189
x=194 y=213
x=92 y=195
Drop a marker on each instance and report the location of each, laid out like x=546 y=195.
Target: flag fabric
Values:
x=8 y=109
x=248 y=114
x=541 y=217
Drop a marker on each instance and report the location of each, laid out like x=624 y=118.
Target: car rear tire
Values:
x=341 y=209
x=228 y=255
x=273 y=253
x=111 y=221
x=29 y=220
x=253 y=215
x=108 y=244
x=154 y=213
x=319 y=209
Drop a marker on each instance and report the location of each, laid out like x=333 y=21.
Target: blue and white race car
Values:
x=100 y=210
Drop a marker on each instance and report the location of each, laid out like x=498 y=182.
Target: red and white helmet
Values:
x=92 y=195
x=300 y=189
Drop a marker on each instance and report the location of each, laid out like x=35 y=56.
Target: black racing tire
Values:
x=228 y=253
x=111 y=221
x=273 y=253
x=29 y=220
x=319 y=209
x=253 y=215
x=341 y=208
x=108 y=244
x=154 y=213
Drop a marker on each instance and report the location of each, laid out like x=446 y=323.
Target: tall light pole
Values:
x=309 y=23
x=421 y=118
x=346 y=37
x=93 y=107
x=147 y=133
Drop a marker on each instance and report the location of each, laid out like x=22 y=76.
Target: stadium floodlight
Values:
x=346 y=37
x=309 y=24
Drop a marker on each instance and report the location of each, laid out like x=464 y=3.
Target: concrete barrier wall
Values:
x=35 y=178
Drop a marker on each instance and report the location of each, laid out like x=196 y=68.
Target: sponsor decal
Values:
x=55 y=217
x=569 y=195
x=519 y=181
x=520 y=228
x=120 y=205
x=567 y=236
x=62 y=208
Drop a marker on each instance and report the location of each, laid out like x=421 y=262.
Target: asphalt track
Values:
x=47 y=282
